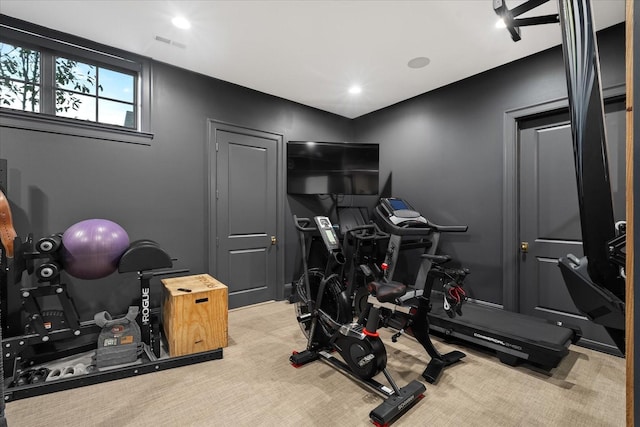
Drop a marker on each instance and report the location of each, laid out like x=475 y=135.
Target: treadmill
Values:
x=514 y=337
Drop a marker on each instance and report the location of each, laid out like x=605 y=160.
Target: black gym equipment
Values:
x=513 y=336
x=406 y=309
x=145 y=257
x=595 y=282
x=513 y=23
x=32 y=335
x=323 y=309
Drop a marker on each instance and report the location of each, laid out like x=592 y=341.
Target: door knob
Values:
x=524 y=247
x=273 y=240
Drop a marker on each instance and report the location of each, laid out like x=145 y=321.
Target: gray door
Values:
x=244 y=211
x=550 y=218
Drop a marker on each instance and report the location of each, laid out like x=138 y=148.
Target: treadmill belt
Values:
x=507 y=323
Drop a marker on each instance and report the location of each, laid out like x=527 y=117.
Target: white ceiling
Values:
x=311 y=52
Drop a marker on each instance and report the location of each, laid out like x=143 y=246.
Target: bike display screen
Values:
x=331 y=237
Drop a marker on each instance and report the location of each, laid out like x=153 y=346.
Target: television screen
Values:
x=332 y=168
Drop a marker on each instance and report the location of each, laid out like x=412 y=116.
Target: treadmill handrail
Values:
x=448 y=228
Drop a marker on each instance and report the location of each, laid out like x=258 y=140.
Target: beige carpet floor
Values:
x=254 y=384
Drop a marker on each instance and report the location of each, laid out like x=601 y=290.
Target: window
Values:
x=97 y=94
x=82 y=91
x=46 y=76
x=19 y=78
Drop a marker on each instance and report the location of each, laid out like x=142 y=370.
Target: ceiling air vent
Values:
x=163 y=40
x=171 y=42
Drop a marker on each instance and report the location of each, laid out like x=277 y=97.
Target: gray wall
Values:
x=157 y=192
x=444 y=150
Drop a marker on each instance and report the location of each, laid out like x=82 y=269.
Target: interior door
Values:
x=550 y=218
x=245 y=210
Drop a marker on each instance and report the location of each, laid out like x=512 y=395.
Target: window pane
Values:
x=20 y=96
x=116 y=113
x=76 y=76
x=19 y=63
x=19 y=78
x=116 y=85
x=75 y=106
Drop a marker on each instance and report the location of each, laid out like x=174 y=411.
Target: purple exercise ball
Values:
x=91 y=249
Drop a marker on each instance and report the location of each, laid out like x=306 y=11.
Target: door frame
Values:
x=510 y=189
x=213 y=126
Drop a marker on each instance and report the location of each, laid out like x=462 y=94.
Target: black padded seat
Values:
x=387 y=291
x=144 y=255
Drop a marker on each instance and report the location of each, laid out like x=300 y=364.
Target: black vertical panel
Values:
x=589 y=142
x=3 y=175
x=3 y=420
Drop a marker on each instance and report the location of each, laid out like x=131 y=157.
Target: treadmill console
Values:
x=399 y=212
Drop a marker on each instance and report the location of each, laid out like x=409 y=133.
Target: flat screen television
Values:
x=332 y=168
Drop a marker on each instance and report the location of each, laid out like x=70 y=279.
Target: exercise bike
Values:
x=323 y=311
x=408 y=312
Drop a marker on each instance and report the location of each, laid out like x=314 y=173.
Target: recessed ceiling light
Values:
x=419 y=62
x=500 y=23
x=181 y=22
x=355 y=89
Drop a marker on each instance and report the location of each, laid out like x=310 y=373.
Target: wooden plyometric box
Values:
x=195 y=314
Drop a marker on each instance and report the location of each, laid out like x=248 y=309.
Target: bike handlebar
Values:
x=360 y=232
x=302 y=224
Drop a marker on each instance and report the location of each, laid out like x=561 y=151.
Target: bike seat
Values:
x=387 y=291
